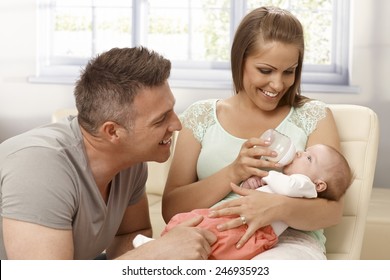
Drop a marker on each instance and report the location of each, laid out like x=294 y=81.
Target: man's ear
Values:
x=320 y=185
x=109 y=131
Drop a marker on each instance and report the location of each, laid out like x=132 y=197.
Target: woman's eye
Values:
x=289 y=72
x=265 y=71
x=309 y=158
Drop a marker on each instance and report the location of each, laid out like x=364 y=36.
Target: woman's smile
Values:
x=269 y=93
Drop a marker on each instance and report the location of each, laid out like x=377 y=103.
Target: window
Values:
x=195 y=35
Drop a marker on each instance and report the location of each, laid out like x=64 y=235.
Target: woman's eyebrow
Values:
x=265 y=64
x=273 y=67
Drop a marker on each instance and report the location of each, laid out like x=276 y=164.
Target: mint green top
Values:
x=220 y=148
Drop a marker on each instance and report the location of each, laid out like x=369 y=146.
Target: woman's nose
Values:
x=277 y=83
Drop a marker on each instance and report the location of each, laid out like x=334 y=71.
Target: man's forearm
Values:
x=124 y=243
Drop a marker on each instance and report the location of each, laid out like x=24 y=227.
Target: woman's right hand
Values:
x=254 y=208
x=249 y=163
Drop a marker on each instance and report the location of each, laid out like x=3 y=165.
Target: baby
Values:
x=319 y=171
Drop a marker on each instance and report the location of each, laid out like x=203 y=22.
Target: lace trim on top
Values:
x=201 y=115
x=198 y=117
x=307 y=116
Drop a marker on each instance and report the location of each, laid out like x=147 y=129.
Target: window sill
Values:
x=323 y=88
x=202 y=84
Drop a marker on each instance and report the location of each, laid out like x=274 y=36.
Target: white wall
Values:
x=24 y=105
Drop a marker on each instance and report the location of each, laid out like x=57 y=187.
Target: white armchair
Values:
x=359 y=132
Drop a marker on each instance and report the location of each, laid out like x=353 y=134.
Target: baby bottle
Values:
x=281 y=144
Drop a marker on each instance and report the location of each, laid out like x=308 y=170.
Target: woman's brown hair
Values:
x=268 y=24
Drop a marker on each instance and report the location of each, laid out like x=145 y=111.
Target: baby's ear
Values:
x=320 y=185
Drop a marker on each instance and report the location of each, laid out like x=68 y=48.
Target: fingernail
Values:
x=238 y=246
x=220 y=227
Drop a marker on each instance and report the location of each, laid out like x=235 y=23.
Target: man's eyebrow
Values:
x=163 y=114
x=159 y=117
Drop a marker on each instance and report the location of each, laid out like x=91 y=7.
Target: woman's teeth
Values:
x=270 y=94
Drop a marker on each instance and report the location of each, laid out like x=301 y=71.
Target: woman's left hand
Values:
x=254 y=208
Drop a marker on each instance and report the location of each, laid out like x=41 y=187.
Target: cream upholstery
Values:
x=63 y=113
x=376 y=245
x=359 y=133
x=158 y=173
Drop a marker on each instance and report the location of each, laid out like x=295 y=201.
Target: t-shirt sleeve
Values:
x=37 y=187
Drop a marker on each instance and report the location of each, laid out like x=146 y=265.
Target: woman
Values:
x=220 y=143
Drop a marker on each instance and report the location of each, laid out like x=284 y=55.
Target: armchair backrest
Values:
x=359 y=134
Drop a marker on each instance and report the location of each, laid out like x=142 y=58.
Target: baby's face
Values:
x=311 y=162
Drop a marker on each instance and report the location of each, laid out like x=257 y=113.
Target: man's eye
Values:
x=160 y=121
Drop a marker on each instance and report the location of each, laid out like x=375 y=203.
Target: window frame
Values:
x=212 y=75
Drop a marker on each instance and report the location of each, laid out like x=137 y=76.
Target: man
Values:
x=74 y=189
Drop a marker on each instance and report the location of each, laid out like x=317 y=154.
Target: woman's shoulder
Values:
x=311 y=109
x=199 y=109
x=312 y=104
x=309 y=114
x=199 y=116
x=201 y=105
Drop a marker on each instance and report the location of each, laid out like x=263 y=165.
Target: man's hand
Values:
x=184 y=242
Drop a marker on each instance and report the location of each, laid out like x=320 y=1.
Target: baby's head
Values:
x=326 y=167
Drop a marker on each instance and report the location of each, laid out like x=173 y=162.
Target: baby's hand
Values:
x=252 y=182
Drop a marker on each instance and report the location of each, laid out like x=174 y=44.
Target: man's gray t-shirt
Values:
x=45 y=179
